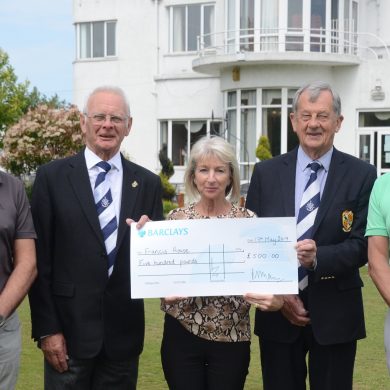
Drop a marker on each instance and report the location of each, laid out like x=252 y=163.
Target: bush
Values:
x=168 y=189
x=166 y=164
x=41 y=135
x=168 y=206
x=263 y=150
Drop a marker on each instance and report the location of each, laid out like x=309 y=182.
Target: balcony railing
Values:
x=273 y=40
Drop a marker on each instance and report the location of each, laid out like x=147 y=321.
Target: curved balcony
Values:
x=292 y=46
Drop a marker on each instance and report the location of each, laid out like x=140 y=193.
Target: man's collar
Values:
x=92 y=159
x=303 y=159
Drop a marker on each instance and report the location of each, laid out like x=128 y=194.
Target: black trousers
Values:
x=284 y=365
x=98 y=373
x=192 y=363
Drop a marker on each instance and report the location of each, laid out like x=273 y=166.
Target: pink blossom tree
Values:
x=41 y=135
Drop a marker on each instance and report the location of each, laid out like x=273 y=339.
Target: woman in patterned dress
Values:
x=206 y=340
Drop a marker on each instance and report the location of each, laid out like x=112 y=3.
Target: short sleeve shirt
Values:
x=15 y=221
x=378 y=220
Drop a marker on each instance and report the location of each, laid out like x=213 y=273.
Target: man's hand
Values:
x=306 y=253
x=294 y=310
x=140 y=223
x=265 y=302
x=54 y=350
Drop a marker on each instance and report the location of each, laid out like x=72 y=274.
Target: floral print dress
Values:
x=224 y=318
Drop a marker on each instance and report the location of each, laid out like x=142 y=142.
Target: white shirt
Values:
x=114 y=176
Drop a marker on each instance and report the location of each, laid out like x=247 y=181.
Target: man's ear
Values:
x=83 y=124
x=129 y=124
x=292 y=119
x=339 y=121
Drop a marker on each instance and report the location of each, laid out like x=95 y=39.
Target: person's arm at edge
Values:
x=378 y=265
x=22 y=276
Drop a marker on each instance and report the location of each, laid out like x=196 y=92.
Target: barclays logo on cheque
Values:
x=163 y=232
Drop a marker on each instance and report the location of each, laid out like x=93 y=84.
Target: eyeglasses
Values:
x=321 y=117
x=98 y=119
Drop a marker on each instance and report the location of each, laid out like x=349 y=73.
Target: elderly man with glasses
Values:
x=90 y=330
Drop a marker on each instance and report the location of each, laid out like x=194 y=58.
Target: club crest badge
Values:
x=105 y=202
x=134 y=184
x=310 y=206
x=347 y=220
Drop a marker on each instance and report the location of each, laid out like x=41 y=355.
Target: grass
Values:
x=370 y=369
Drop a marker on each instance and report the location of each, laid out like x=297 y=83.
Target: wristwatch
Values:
x=2 y=320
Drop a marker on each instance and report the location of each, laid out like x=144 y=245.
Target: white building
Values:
x=231 y=67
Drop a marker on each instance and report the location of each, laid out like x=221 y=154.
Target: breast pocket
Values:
x=340 y=217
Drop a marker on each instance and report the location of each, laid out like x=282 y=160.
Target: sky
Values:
x=38 y=36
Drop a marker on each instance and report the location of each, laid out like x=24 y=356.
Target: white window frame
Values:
x=169 y=122
x=201 y=27
x=105 y=43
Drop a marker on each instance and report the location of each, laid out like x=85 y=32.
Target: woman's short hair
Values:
x=212 y=147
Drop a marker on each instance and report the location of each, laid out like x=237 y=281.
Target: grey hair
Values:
x=314 y=89
x=111 y=89
x=213 y=147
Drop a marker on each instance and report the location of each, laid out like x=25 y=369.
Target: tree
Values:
x=41 y=135
x=36 y=98
x=263 y=150
x=14 y=97
x=167 y=171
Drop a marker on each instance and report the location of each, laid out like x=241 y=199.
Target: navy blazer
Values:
x=334 y=293
x=72 y=293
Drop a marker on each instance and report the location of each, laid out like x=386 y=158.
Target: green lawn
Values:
x=370 y=372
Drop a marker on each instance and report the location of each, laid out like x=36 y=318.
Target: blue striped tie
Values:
x=106 y=212
x=307 y=215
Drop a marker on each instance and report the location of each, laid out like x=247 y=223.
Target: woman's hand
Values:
x=265 y=302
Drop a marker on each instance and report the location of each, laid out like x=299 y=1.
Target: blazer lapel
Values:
x=337 y=171
x=130 y=188
x=79 y=180
x=287 y=181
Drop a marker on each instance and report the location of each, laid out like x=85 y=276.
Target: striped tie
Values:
x=106 y=212
x=307 y=214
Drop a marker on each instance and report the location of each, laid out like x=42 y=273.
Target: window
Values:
x=295 y=9
x=187 y=23
x=231 y=117
x=294 y=38
x=241 y=128
x=271 y=123
x=317 y=25
x=373 y=139
x=269 y=21
x=247 y=24
x=374 y=119
x=335 y=25
x=276 y=124
x=248 y=132
x=256 y=112
x=96 y=39
x=178 y=136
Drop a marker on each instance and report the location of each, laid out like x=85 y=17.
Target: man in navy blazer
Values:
x=326 y=319
x=90 y=330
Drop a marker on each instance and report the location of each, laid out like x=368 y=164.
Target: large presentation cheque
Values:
x=205 y=257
